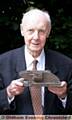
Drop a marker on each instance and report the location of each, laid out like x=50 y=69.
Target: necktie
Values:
x=36 y=95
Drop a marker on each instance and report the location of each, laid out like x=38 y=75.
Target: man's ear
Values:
x=21 y=29
x=48 y=33
x=47 y=36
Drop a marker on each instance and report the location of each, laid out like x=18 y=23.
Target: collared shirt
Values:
x=29 y=59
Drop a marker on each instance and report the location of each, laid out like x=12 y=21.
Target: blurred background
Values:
x=11 y=12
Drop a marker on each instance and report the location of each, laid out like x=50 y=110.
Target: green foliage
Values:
x=61 y=34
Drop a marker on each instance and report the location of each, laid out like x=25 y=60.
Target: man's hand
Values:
x=16 y=87
x=61 y=91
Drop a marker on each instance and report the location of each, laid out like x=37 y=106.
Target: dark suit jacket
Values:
x=11 y=63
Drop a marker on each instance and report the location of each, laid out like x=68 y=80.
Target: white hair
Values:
x=35 y=12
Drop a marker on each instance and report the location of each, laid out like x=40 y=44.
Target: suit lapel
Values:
x=49 y=64
x=20 y=60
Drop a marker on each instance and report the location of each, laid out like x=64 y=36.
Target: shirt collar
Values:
x=29 y=58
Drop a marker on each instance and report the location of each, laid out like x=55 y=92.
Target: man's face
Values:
x=35 y=32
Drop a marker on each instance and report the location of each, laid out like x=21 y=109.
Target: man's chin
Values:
x=35 y=50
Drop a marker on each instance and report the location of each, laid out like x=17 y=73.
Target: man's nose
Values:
x=36 y=35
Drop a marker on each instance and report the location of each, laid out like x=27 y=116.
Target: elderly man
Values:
x=15 y=98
